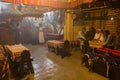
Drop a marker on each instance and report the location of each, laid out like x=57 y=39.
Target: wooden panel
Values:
x=7 y=36
x=87 y=1
x=110 y=12
x=111 y=25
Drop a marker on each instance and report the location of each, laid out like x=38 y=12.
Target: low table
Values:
x=19 y=63
x=16 y=50
x=54 y=45
x=96 y=44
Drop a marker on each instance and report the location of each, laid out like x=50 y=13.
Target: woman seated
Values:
x=108 y=39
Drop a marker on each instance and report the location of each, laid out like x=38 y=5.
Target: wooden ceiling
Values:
x=38 y=7
x=50 y=3
x=55 y=3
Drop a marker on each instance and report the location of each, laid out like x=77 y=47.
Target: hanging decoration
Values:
x=36 y=7
x=15 y=7
x=56 y=3
x=50 y=3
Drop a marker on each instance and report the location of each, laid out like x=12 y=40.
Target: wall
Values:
x=102 y=19
x=7 y=36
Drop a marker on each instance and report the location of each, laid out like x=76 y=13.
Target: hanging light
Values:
x=26 y=9
x=36 y=7
x=49 y=9
x=14 y=7
x=112 y=18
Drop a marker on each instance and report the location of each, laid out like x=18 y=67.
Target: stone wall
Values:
x=102 y=18
x=117 y=16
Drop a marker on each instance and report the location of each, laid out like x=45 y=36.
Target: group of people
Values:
x=97 y=35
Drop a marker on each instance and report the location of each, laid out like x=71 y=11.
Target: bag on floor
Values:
x=99 y=66
x=114 y=72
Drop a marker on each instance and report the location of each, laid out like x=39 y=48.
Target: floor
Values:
x=49 y=66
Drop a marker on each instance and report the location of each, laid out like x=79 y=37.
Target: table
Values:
x=96 y=44
x=54 y=45
x=19 y=63
x=16 y=50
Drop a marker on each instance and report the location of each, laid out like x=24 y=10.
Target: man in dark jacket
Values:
x=90 y=34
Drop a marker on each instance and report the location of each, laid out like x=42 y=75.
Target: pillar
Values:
x=68 y=28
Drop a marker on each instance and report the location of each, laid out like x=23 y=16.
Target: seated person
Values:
x=108 y=39
x=61 y=31
x=90 y=33
x=99 y=36
x=81 y=34
x=88 y=37
x=85 y=46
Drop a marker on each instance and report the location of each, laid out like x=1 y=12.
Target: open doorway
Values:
x=51 y=24
x=25 y=30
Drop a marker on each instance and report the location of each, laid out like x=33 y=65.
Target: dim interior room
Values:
x=59 y=39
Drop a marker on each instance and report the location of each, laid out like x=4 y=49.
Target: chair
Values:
x=65 y=49
x=85 y=47
x=84 y=60
x=25 y=64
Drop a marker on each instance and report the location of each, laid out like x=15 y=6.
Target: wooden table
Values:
x=54 y=36
x=18 y=64
x=54 y=45
x=96 y=44
x=16 y=50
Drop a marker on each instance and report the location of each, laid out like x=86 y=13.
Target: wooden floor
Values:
x=49 y=66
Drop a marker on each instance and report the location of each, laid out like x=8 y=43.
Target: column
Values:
x=68 y=28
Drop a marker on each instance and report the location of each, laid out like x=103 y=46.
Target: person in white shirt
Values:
x=41 y=35
x=81 y=34
x=101 y=39
x=61 y=32
x=99 y=35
